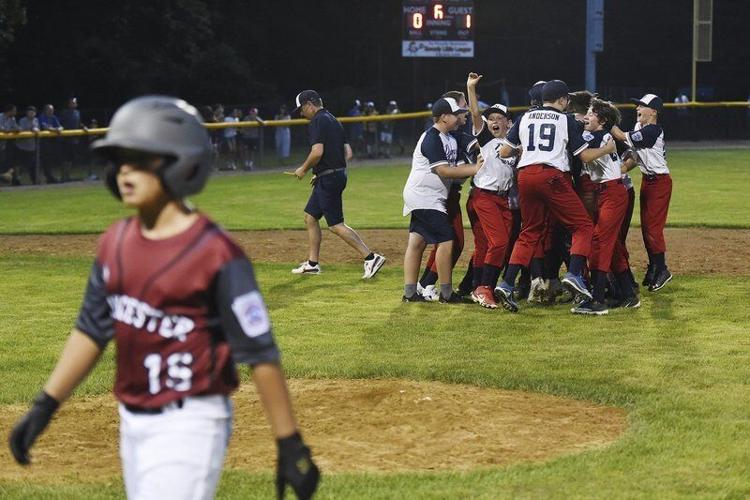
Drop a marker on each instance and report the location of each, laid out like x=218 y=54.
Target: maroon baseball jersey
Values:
x=182 y=310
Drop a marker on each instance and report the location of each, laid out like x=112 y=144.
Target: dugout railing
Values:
x=692 y=121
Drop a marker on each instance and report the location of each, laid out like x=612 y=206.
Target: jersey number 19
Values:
x=546 y=139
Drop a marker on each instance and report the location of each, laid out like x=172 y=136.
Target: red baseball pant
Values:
x=491 y=223
x=656 y=191
x=453 y=207
x=545 y=190
x=612 y=205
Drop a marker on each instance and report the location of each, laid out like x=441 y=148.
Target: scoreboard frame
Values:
x=437 y=28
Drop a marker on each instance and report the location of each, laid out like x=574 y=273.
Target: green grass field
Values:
x=710 y=189
x=680 y=365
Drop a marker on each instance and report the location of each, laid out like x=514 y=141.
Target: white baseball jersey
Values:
x=426 y=190
x=607 y=167
x=648 y=143
x=497 y=173
x=546 y=136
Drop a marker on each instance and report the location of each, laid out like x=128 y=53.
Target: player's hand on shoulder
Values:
x=610 y=147
x=31 y=425
x=296 y=468
x=473 y=79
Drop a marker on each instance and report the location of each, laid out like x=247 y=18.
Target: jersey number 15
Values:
x=546 y=139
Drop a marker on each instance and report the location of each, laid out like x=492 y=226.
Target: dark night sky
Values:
x=349 y=49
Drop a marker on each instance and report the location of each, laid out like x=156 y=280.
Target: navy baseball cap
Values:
x=535 y=92
x=302 y=98
x=554 y=89
x=652 y=101
x=447 y=106
x=497 y=108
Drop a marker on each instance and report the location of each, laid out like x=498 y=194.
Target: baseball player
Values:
x=488 y=208
x=435 y=162
x=466 y=144
x=547 y=135
x=329 y=153
x=647 y=141
x=180 y=300
x=612 y=202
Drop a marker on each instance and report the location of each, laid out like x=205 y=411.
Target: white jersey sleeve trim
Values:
x=506 y=142
x=578 y=151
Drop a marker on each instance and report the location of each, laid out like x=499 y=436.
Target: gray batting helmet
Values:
x=163 y=126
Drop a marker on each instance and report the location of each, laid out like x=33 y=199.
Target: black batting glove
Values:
x=296 y=468
x=32 y=424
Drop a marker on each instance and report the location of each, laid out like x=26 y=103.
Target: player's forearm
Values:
x=476 y=117
x=589 y=155
x=271 y=385
x=628 y=165
x=348 y=152
x=617 y=133
x=76 y=361
x=507 y=151
x=459 y=172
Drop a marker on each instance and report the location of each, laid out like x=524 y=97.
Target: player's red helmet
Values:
x=164 y=126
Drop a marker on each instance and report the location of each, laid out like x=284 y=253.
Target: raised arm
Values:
x=471 y=94
x=590 y=154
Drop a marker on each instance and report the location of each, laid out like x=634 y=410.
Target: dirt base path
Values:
x=351 y=425
x=689 y=250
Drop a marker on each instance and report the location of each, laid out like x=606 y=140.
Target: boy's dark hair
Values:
x=454 y=94
x=607 y=113
x=580 y=101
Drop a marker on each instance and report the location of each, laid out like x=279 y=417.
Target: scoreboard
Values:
x=438 y=28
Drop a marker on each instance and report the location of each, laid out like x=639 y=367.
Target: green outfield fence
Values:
x=682 y=121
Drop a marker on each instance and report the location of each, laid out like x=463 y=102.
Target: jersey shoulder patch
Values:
x=251 y=314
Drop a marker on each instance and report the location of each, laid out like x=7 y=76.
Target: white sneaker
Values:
x=429 y=292
x=537 y=291
x=373 y=265
x=306 y=268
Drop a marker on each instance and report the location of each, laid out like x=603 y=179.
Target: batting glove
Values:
x=32 y=424
x=296 y=468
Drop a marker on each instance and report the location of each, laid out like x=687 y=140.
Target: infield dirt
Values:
x=351 y=425
x=697 y=251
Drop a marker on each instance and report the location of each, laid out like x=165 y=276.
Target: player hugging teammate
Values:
x=576 y=201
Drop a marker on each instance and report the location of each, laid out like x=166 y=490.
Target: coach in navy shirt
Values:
x=329 y=153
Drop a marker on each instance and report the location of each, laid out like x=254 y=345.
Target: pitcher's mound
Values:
x=351 y=425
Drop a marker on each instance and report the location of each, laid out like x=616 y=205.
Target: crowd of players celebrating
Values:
x=548 y=187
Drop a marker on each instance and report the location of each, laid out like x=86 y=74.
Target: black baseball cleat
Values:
x=662 y=278
x=504 y=297
x=590 y=307
x=414 y=298
x=649 y=277
x=630 y=303
x=453 y=299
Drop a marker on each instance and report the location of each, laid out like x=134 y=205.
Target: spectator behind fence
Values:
x=49 y=149
x=8 y=124
x=387 y=129
x=371 y=131
x=250 y=139
x=26 y=148
x=230 y=141
x=70 y=119
x=356 y=130
x=283 y=136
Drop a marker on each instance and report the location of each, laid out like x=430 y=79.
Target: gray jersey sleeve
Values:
x=243 y=314
x=95 y=319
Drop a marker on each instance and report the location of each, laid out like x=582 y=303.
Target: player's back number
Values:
x=545 y=141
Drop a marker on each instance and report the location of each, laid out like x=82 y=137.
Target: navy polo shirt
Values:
x=325 y=129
